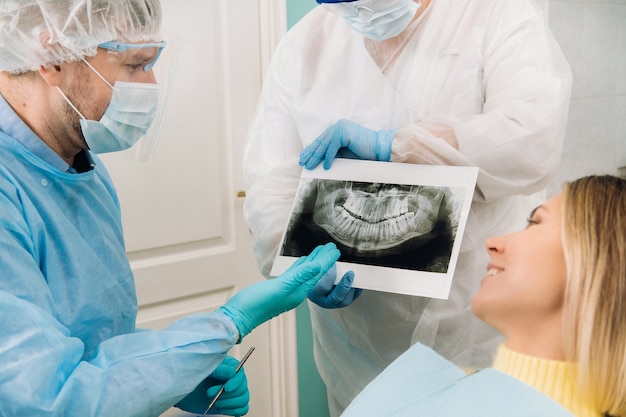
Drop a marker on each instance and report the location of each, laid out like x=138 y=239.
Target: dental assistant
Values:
x=76 y=79
x=441 y=82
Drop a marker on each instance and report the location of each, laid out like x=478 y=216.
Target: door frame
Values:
x=282 y=330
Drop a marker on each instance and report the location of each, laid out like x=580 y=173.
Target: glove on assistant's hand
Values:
x=264 y=300
x=233 y=401
x=328 y=295
x=363 y=142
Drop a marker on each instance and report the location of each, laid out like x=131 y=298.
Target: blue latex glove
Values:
x=328 y=295
x=233 y=401
x=364 y=143
x=264 y=300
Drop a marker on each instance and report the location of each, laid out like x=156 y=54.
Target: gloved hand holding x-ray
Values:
x=345 y=135
x=248 y=309
x=327 y=295
x=264 y=300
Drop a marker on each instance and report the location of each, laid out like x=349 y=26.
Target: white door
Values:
x=186 y=238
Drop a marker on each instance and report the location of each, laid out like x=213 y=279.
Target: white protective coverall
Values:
x=487 y=73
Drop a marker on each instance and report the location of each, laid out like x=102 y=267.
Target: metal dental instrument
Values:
x=241 y=362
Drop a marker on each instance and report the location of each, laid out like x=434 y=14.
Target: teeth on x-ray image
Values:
x=370 y=217
x=392 y=225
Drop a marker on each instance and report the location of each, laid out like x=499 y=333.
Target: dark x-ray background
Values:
x=430 y=252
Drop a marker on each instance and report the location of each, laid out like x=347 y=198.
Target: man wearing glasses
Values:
x=76 y=80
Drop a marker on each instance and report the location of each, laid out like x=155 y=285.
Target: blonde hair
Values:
x=594 y=241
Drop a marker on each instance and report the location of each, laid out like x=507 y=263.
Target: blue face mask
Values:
x=127 y=119
x=377 y=19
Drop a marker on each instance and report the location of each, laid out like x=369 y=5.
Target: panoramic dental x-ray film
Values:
x=398 y=226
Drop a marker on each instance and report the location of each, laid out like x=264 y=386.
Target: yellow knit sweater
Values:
x=553 y=378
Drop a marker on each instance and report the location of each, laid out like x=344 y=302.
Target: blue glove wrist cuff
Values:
x=238 y=321
x=385 y=139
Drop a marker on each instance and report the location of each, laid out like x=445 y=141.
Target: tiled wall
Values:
x=592 y=34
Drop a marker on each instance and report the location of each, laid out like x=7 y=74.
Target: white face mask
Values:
x=127 y=119
x=377 y=19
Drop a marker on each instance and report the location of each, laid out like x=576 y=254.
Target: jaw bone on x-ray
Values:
x=401 y=226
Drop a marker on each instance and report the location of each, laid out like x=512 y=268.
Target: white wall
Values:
x=592 y=34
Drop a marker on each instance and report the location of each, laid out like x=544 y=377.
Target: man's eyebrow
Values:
x=138 y=56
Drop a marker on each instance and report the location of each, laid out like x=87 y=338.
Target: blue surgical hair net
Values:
x=35 y=33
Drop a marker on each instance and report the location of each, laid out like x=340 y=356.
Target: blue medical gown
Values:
x=68 y=342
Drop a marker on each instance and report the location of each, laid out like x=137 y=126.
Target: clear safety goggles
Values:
x=165 y=74
x=122 y=47
x=364 y=10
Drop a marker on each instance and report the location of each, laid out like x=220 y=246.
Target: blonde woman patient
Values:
x=557 y=291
